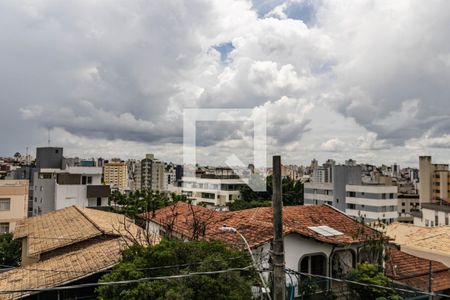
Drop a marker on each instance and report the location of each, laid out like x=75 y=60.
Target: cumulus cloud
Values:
x=125 y=71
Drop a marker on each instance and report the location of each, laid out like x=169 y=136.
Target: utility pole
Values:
x=279 y=277
x=430 y=280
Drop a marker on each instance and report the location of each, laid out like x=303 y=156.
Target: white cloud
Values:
x=107 y=71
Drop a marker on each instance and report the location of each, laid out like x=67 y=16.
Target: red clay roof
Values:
x=414 y=271
x=256 y=223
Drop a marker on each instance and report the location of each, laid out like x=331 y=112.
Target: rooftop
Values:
x=428 y=239
x=256 y=223
x=414 y=271
x=70 y=244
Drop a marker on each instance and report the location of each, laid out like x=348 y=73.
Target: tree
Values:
x=143 y=201
x=10 y=250
x=292 y=194
x=370 y=274
x=193 y=256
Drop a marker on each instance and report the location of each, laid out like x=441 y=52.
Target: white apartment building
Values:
x=58 y=188
x=372 y=202
x=347 y=193
x=215 y=192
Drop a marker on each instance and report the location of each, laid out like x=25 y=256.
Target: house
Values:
x=318 y=239
x=413 y=271
x=433 y=214
x=71 y=245
x=425 y=242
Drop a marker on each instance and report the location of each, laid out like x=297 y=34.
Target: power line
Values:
x=94 y=284
x=118 y=270
x=366 y=284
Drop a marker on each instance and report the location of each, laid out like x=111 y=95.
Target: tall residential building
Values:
x=347 y=193
x=13 y=203
x=152 y=173
x=434 y=181
x=59 y=188
x=115 y=174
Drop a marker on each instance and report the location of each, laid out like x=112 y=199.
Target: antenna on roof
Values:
x=48 y=131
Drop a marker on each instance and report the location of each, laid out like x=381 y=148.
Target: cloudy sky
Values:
x=362 y=79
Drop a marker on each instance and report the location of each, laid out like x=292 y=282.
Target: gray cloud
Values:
x=125 y=71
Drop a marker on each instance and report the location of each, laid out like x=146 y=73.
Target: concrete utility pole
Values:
x=279 y=277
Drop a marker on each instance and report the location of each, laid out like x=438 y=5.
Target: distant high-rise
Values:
x=152 y=173
x=115 y=174
x=434 y=181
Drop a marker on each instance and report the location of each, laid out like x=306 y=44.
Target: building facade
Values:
x=58 y=188
x=13 y=203
x=434 y=181
x=347 y=193
x=372 y=202
x=152 y=173
x=115 y=174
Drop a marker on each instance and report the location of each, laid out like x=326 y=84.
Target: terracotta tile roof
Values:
x=83 y=259
x=55 y=229
x=414 y=271
x=72 y=243
x=256 y=223
x=70 y=225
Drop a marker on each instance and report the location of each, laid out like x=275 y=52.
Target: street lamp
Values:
x=226 y=228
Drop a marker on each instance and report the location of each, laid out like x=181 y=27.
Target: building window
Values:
x=99 y=201
x=446 y=220
x=351 y=206
x=315 y=264
x=436 y=220
x=403 y=211
x=391 y=196
x=427 y=223
x=4 y=227
x=5 y=204
x=403 y=203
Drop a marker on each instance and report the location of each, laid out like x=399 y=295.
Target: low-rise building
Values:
x=319 y=240
x=433 y=214
x=13 y=203
x=58 y=188
x=65 y=246
x=414 y=272
x=215 y=188
x=425 y=242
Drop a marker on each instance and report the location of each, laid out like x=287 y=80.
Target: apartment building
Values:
x=372 y=202
x=13 y=203
x=152 y=173
x=58 y=188
x=434 y=181
x=214 y=188
x=115 y=174
x=349 y=194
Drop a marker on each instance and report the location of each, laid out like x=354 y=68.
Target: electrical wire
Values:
x=366 y=284
x=119 y=270
x=94 y=284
